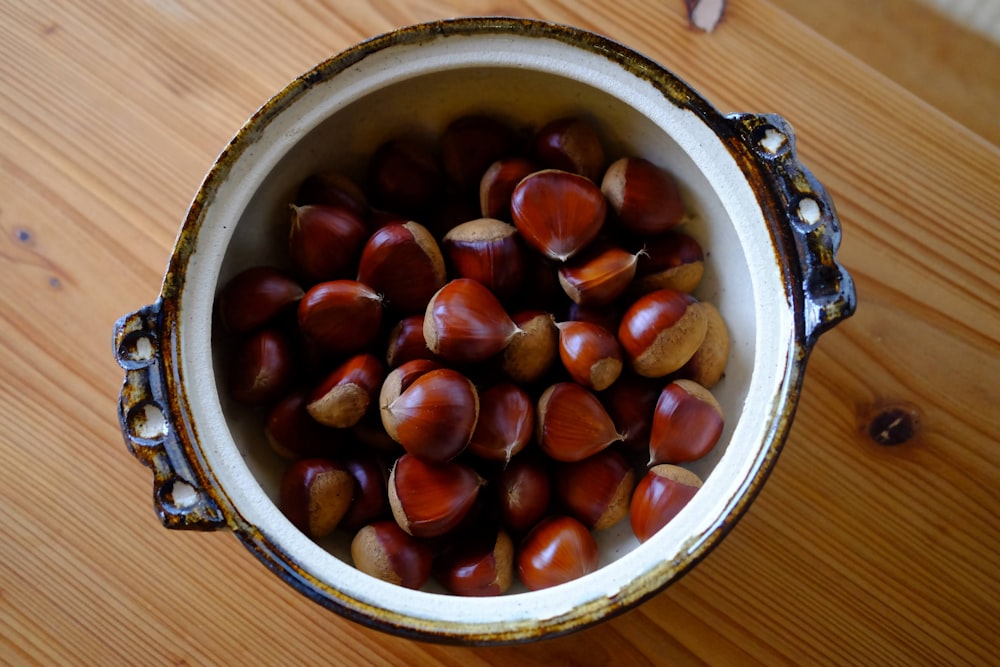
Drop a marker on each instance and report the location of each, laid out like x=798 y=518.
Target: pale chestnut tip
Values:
x=661 y=331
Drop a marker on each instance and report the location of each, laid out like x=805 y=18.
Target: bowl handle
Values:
x=150 y=428
x=807 y=216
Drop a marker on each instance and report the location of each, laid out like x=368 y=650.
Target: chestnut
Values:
x=406 y=342
x=434 y=416
x=590 y=354
x=315 y=494
x=470 y=144
x=644 y=197
x=262 y=369
x=661 y=331
x=524 y=490
x=341 y=316
x=572 y=424
x=404 y=176
x=332 y=188
x=465 y=323
x=480 y=565
x=324 y=241
x=529 y=356
x=384 y=551
x=255 y=297
x=707 y=365
x=659 y=496
x=489 y=251
x=428 y=499
x=558 y=213
x=598 y=277
x=558 y=550
x=292 y=433
x=343 y=397
x=631 y=402
x=672 y=260
x=609 y=316
x=505 y=425
x=371 y=491
x=687 y=423
x=571 y=144
x=403 y=263
x=497 y=185
x=596 y=490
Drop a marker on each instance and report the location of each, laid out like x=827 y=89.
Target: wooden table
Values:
x=855 y=552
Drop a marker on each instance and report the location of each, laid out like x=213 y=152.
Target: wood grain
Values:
x=855 y=553
x=950 y=66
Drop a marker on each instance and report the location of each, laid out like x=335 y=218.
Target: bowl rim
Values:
x=674 y=91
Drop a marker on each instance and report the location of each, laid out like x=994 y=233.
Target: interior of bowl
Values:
x=418 y=88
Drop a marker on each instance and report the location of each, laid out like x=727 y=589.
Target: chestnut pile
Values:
x=481 y=354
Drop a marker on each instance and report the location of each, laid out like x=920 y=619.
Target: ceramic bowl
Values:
x=770 y=229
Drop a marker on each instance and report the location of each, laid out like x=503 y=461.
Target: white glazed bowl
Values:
x=769 y=228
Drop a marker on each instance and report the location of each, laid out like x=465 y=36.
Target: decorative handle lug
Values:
x=148 y=425
x=809 y=217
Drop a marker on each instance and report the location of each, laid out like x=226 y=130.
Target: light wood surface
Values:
x=855 y=553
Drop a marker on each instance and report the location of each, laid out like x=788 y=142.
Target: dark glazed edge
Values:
x=145 y=402
x=811 y=234
x=162 y=320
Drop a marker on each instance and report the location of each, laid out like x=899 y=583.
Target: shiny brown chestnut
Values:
x=571 y=144
x=340 y=316
x=434 y=416
x=506 y=423
x=262 y=369
x=333 y=188
x=558 y=213
x=498 y=183
x=256 y=297
x=630 y=402
x=315 y=494
x=596 y=490
x=465 y=323
x=431 y=499
x=659 y=496
x=293 y=434
x=556 y=551
x=470 y=144
x=598 y=277
x=324 y=241
x=524 y=491
x=478 y=567
x=661 y=331
x=406 y=342
x=384 y=551
x=673 y=260
x=404 y=264
x=572 y=424
x=489 y=251
x=404 y=177
x=687 y=423
x=342 y=398
x=590 y=354
x=371 y=491
x=644 y=197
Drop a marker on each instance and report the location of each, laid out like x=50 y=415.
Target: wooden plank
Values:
x=854 y=553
